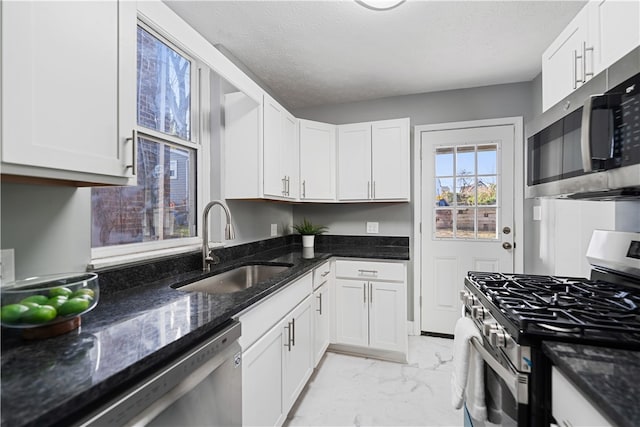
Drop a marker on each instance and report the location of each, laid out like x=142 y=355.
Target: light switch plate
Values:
x=274 y=230
x=372 y=227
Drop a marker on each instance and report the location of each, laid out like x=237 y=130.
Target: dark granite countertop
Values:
x=141 y=323
x=610 y=378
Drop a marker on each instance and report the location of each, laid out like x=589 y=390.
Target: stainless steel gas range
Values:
x=516 y=312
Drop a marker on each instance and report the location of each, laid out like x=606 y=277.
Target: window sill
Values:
x=121 y=260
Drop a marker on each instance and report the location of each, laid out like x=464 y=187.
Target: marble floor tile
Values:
x=356 y=391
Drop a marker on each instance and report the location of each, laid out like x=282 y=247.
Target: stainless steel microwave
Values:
x=593 y=152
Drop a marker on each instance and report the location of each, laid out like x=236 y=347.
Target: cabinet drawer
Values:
x=321 y=274
x=569 y=406
x=388 y=271
x=258 y=320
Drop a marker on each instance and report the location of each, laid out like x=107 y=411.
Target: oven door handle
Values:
x=516 y=382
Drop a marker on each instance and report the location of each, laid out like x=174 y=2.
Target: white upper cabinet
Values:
x=317 y=160
x=69 y=91
x=614 y=30
x=354 y=161
x=280 y=148
x=373 y=161
x=563 y=65
x=600 y=34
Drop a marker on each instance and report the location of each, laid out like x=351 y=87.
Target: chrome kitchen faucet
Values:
x=207 y=257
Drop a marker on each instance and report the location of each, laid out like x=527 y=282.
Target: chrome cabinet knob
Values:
x=498 y=337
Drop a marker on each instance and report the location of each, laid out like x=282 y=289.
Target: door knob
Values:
x=506 y=230
x=507 y=245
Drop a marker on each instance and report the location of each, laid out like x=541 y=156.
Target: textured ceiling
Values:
x=328 y=52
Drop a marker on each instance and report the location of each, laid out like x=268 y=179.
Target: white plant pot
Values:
x=307 y=240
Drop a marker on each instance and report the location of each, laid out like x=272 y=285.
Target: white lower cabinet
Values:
x=371 y=305
x=262 y=381
x=297 y=360
x=321 y=322
x=277 y=363
x=569 y=406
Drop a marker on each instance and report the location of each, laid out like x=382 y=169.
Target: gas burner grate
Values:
x=565 y=305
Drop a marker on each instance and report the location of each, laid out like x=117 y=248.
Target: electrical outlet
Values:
x=274 y=230
x=372 y=227
x=537 y=213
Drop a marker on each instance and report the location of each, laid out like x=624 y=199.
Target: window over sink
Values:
x=162 y=207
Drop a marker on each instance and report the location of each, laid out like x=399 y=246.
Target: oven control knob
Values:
x=498 y=337
x=479 y=312
x=463 y=296
x=488 y=326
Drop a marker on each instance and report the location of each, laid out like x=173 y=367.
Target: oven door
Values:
x=506 y=391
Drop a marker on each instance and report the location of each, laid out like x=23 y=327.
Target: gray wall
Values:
x=48 y=226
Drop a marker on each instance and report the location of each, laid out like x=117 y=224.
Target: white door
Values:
x=387 y=326
x=274 y=180
x=354 y=161
x=262 y=380
x=352 y=312
x=317 y=160
x=467 y=214
x=297 y=362
x=390 y=159
x=321 y=322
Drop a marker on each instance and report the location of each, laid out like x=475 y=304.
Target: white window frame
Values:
x=199 y=141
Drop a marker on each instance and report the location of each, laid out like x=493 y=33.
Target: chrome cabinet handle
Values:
x=284 y=185
x=288 y=328
x=293 y=332
x=577 y=80
x=304 y=189
x=368 y=189
x=370 y=293
x=364 y=292
x=288 y=185
x=134 y=140
x=325 y=273
x=319 y=310
x=584 y=61
x=368 y=271
x=373 y=190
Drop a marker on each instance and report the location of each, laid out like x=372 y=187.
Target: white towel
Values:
x=467 y=379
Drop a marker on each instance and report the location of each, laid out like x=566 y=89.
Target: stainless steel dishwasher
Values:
x=201 y=388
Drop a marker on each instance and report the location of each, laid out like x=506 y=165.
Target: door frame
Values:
x=518 y=198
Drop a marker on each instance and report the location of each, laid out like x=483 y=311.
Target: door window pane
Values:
x=164 y=87
x=465 y=223
x=444 y=223
x=444 y=161
x=487 y=226
x=466 y=160
x=444 y=192
x=487 y=159
x=466 y=177
x=487 y=190
x=465 y=190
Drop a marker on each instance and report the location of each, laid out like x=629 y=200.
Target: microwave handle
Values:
x=585 y=135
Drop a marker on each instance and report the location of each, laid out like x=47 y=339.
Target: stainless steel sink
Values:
x=235 y=280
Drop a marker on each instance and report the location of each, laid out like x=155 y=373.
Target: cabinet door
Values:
x=562 y=70
x=317 y=160
x=298 y=356
x=274 y=179
x=352 y=316
x=387 y=316
x=321 y=322
x=614 y=30
x=262 y=380
x=390 y=159
x=61 y=89
x=354 y=161
x=290 y=155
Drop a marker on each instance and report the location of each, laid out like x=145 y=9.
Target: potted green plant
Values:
x=309 y=232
